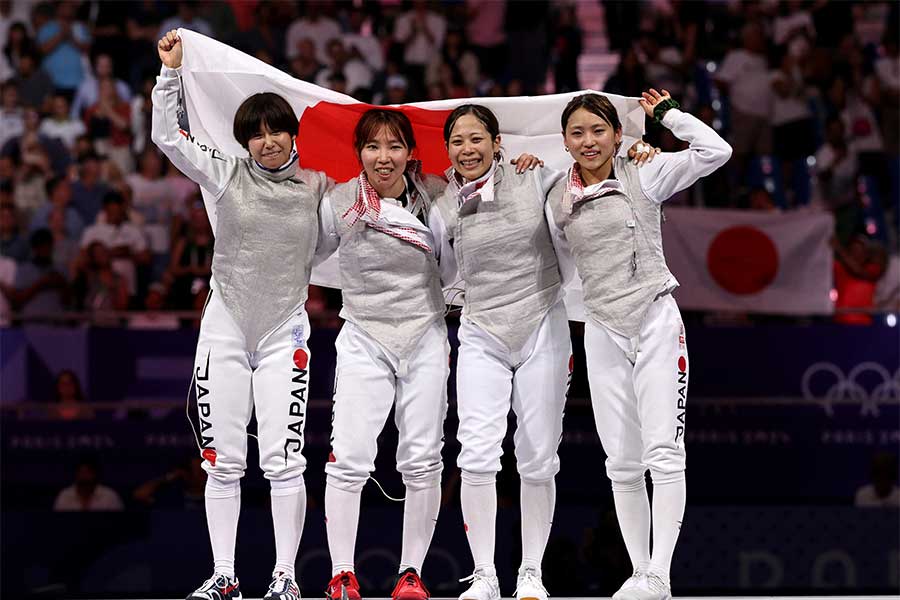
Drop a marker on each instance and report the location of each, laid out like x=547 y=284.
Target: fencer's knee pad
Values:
x=219 y=488
x=354 y=485
x=635 y=485
x=625 y=472
x=422 y=481
x=475 y=478
x=288 y=487
x=664 y=459
x=664 y=477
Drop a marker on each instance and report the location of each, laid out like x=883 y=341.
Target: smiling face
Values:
x=592 y=141
x=270 y=148
x=471 y=148
x=384 y=159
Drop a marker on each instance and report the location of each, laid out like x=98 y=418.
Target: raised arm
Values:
x=205 y=165
x=671 y=172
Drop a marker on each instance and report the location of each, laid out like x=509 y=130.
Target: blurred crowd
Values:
x=94 y=219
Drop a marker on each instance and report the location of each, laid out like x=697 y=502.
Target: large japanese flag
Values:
x=217 y=78
x=778 y=263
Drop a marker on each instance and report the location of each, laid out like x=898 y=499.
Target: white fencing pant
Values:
x=639 y=394
x=231 y=382
x=367 y=386
x=490 y=379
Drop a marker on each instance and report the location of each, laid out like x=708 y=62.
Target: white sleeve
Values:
x=671 y=172
x=205 y=165
x=546 y=179
x=329 y=237
x=443 y=251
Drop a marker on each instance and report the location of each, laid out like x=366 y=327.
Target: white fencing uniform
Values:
x=252 y=349
x=514 y=345
x=634 y=338
x=391 y=352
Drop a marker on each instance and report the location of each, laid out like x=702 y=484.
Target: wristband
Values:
x=660 y=110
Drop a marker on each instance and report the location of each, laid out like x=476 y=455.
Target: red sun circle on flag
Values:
x=301 y=358
x=682 y=364
x=743 y=260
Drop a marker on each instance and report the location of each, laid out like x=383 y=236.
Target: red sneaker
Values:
x=346 y=579
x=410 y=587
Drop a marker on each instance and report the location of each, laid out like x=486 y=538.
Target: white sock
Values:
x=538 y=502
x=288 y=517
x=341 y=521
x=420 y=512
x=669 y=493
x=633 y=513
x=479 y=507
x=223 y=507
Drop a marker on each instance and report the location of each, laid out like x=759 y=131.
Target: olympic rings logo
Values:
x=849 y=388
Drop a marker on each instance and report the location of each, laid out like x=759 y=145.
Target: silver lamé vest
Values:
x=266 y=235
x=391 y=288
x=505 y=257
x=617 y=245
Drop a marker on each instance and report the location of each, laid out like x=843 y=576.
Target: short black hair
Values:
x=53 y=182
x=265 y=108
x=41 y=237
x=596 y=104
x=113 y=197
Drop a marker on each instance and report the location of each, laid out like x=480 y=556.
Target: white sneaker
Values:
x=529 y=585
x=218 y=587
x=283 y=587
x=626 y=592
x=652 y=587
x=484 y=586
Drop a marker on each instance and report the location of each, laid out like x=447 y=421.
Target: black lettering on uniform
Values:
x=297 y=445
x=204 y=424
x=682 y=377
x=204 y=409
x=205 y=441
x=205 y=375
x=297 y=427
x=679 y=433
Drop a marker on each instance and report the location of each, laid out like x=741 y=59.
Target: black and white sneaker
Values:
x=218 y=587
x=283 y=587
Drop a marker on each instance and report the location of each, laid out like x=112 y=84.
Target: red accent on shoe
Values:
x=410 y=587
x=230 y=588
x=348 y=579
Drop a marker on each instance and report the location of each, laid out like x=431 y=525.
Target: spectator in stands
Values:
x=159 y=206
x=316 y=25
x=59 y=192
x=141 y=111
x=12 y=243
x=32 y=82
x=98 y=287
x=32 y=170
x=109 y=123
x=64 y=42
x=397 y=88
x=882 y=492
x=40 y=290
x=89 y=189
x=7 y=280
x=793 y=131
x=181 y=488
x=125 y=240
x=361 y=40
x=88 y=93
x=305 y=65
x=55 y=151
x=356 y=73
x=744 y=77
x=153 y=316
x=60 y=125
x=68 y=401
x=12 y=120
x=629 y=78
x=66 y=247
x=455 y=67
x=837 y=171
x=185 y=17
x=486 y=33
x=566 y=48
x=190 y=267
x=87 y=494
x=857 y=269
x=420 y=32
x=18 y=44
